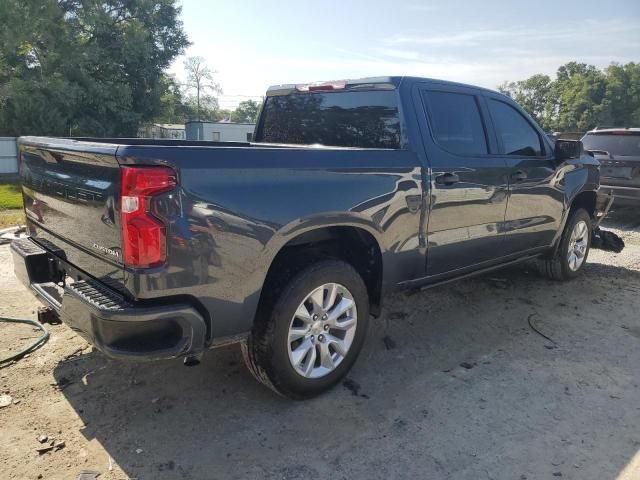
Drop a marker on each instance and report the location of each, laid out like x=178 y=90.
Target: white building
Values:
x=8 y=156
x=219 y=131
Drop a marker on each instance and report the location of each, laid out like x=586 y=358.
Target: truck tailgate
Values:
x=70 y=192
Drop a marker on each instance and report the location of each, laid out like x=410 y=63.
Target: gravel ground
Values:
x=452 y=383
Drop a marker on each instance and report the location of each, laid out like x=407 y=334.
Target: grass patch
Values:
x=9 y=218
x=10 y=196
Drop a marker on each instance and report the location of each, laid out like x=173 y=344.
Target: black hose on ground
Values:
x=38 y=343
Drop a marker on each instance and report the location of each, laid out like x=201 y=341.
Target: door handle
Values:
x=447 y=179
x=518 y=176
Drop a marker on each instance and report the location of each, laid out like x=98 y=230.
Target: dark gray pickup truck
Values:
x=161 y=249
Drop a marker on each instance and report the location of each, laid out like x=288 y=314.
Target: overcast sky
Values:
x=253 y=44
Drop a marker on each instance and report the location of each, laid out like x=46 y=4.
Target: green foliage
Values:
x=85 y=67
x=10 y=196
x=247 y=111
x=581 y=96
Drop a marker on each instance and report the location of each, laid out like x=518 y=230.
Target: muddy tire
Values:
x=309 y=331
x=571 y=255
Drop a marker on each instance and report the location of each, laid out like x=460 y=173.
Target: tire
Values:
x=559 y=266
x=268 y=351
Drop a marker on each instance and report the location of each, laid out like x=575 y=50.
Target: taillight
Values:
x=143 y=234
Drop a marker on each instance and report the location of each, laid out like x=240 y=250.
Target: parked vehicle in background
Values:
x=353 y=189
x=618 y=150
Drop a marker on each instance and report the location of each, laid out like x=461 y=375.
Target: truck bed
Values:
x=234 y=206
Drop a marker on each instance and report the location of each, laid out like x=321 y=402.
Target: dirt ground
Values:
x=452 y=383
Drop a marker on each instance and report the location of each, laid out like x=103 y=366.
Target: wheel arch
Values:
x=355 y=243
x=587 y=199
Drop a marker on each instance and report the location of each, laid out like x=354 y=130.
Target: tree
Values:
x=83 y=67
x=534 y=96
x=246 y=112
x=580 y=92
x=581 y=96
x=200 y=79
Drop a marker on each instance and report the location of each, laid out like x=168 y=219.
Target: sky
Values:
x=252 y=44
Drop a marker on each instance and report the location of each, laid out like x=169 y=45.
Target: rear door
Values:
x=468 y=184
x=536 y=188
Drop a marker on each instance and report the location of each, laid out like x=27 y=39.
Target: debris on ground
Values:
x=468 y=365
x=389 y=343
x=52 y=447
x=43 y=438
x=606 y=240
x=5 y=400
x=88 y=475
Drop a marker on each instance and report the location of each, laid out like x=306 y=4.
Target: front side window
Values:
x=518 y=137
x=364 y=119
x=456 y=122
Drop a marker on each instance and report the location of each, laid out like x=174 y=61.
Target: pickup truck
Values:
x=157 y=249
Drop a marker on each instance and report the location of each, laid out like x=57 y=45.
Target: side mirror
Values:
x=568 y=149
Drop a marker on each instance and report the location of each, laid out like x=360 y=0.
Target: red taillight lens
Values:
x=143 y=235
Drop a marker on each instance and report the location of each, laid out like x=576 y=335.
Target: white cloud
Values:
x=485 y=57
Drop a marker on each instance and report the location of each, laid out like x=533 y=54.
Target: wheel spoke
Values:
x=300 y=352
x=343 y=324
x=339 y=310
x=316 y=298
x=326 y=360
x=296 y=333
x=332 y=293
x=310 y=363
x=303 y=314
x=337 y=343
x=572 y=260
x=582 y=229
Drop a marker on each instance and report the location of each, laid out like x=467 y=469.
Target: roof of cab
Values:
x=382 y=82
x=618 y=130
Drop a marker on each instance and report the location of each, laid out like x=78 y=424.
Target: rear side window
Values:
x=626 y=145
x=456 y=122
x=518 y=137
x=365 y=119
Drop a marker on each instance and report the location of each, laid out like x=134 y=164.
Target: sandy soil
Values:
x=452 y=383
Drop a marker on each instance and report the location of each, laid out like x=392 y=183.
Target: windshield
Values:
x=366 y=119
x=625 y=145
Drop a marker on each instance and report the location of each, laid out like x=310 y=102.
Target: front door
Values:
x=468 y=184
x=536 y=186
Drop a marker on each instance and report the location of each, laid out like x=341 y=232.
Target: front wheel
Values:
x=311 y=330
x=572 y=253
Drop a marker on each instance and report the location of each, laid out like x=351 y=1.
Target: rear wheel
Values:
x=311 y=330
x=572 y=253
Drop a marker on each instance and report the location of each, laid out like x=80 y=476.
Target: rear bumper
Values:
x=117 y=327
